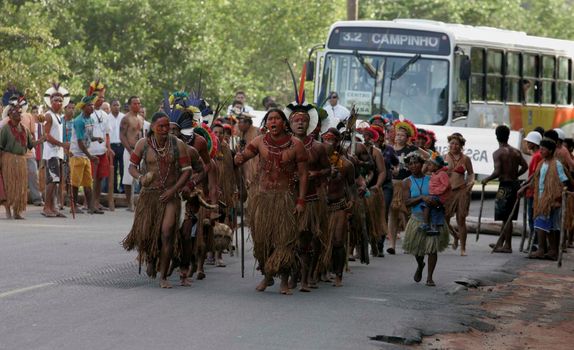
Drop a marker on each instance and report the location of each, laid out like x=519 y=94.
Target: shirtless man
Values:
x=130 y=132
x=282 y=159
x=313 y=223
x=167 y=169
x=340 y=197
x=508 y=166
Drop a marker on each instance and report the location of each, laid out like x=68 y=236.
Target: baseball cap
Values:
x=561 y=133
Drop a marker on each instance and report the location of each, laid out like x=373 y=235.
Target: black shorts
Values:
x=505 y=199
x=53 y=170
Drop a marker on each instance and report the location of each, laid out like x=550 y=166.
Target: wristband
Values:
x=300 y=201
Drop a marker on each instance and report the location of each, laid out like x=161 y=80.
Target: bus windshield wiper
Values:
x=367 y=66
x=401 y=71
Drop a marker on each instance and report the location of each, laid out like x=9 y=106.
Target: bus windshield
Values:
x=414 y=87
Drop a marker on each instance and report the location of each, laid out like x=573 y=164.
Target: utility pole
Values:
x=352 y=10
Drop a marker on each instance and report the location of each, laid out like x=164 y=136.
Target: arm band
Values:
x=186 y=168
x=135 y=159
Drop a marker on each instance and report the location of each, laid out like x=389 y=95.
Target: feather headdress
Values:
x=408 y=126
x=300 y=105
x=56 y=90
x=95 y=86
x=11 y=98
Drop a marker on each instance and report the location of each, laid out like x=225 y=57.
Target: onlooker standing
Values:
x=130 y=132
x=106 y=107
x=242 y=97
x=336 y=113
x=33 y=156
x=80 y=167
x=99 y=149
x=533 y=144
x=115 y=119
x=53 y=153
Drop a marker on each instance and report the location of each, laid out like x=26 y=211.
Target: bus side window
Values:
x=494 y=75
x=547 y=82
x=460 y=89
x=530 y=82
x=563 y=81
x=512 y=78
x=477 y=79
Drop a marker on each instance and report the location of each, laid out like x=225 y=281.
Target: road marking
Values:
x=22 y=290
x=370 y=299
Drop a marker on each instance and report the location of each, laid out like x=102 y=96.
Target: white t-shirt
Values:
x=114 y=124
x=57 y=132
x=101 y=128
x=337 y=111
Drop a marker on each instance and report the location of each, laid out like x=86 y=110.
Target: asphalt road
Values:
x=68 y=284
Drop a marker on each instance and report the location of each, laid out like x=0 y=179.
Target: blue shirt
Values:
x=544 y=170
x=419 y=187
x=82 y=130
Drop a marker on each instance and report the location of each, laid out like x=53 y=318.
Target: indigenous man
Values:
x=509 y=165
x=547 y=183
x=166 y=168
x=131 y=128
x=375 y=203
x=227 y=182
x=101 y=129
x=80 y=166
x=55 y=97
x=312 y=225
x=273 y=221
x=247 y=133
x=341 y=195
x=15 y=140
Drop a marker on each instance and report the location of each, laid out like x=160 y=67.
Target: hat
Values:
x=372 y=132
x=437 y=159
x=86 y=100
x=56 y=90
x=533 y=137
x=300 y=105
x=561 y=134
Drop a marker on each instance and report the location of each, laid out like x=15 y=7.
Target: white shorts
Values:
x=127 y=179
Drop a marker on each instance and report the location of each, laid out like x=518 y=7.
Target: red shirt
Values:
x=534 y=161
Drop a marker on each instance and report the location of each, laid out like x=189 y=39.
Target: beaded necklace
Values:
x=162 y=158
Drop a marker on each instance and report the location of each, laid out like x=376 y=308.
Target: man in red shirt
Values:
x=533 y=144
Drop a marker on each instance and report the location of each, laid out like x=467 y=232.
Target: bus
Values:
x=448 y=77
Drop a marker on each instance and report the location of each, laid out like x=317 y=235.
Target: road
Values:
x=68 y=284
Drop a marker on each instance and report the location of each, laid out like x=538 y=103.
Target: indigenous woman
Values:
x=417 y=241
x=461 y=181
x=15 y=141
x=404 y=132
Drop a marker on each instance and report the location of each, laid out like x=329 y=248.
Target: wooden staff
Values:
x=562 y=226
x=508 y=221
x=111 y=183
x=524 y=209
x=241 y=208
x=480 y=212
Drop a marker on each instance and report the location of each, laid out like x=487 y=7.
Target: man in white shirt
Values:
x=101 y=130
x=336 y=113
x=115 y=118
x=240 y=96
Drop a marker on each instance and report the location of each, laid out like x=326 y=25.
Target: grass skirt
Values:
x=375 y=214
x=418 y=243
x=325 y=260
x=398 y=204
x=569 y=219
x=274 y=231
x=458 y=203
x=145 y=235
x=315 y=220
x=15 y=176
x=222 y=236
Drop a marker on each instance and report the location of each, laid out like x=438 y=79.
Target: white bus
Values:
x=446 y=77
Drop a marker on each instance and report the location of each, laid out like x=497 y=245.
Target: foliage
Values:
x=141 y=47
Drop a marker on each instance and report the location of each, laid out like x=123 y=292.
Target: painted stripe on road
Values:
x=369 y=299
x=26 y=289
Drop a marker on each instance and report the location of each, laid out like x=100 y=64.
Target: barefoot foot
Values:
x=165 y=284
x=338 y=281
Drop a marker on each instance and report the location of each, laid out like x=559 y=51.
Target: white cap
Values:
x=561 y=133
x=533 y=137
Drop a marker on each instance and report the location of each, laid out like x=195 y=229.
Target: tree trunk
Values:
x=352 y=10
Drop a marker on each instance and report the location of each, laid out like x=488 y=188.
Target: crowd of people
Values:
x=319 y=188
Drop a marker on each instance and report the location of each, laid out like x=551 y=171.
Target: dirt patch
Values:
x=534 y=311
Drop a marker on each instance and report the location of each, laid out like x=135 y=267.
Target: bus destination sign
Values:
x=389 y=39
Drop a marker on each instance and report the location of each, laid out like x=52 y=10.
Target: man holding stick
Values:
x=509 y=165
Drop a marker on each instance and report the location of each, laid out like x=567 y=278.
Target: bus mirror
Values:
x=310 y=70
x=464 y=68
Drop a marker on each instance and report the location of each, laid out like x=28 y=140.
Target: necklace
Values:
x=162 y=159
x=420 y=187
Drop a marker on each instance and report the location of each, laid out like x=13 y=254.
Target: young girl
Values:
x=439 y=189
